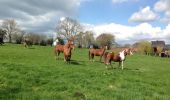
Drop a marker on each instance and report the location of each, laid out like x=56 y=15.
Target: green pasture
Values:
x=34 y=74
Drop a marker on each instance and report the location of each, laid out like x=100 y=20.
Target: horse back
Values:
x=97 y=52
x=59 y=47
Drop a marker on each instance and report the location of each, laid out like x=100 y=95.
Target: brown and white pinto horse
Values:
x=60 y=48
x=96 y=52
x=110 y=56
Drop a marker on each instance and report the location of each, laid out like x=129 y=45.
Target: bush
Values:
x=43 y=43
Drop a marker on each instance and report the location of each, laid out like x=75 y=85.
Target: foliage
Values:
x=35 y=38
x=11 y=27
x=105 y=39
x=84 y=39
x=18 y=37
x=144 y=46
x=2 y=36
x=68 y=28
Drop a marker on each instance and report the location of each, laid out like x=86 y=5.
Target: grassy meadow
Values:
x=34 y=74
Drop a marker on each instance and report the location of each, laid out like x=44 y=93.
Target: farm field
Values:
x=34 y=74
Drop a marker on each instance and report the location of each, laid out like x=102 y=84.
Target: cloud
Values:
x=163 y=6
x=38 y=16
x=144 y=15
x=122 y=1
x=130 y=34
x=119 y=1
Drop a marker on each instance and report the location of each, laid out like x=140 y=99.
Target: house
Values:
x=155 y=44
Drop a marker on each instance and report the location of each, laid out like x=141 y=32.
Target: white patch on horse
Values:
x=122 y=55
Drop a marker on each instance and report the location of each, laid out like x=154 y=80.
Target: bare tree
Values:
x=88 y=38
x=84 y=39
x=11 y=27
x=68 y=28
x=19 y=36
x=105 y=39
x=79 y=39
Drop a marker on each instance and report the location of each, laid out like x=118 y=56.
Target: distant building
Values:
x=158 y=44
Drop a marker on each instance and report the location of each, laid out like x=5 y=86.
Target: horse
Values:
x=129 y=51
x=110 y=56
x=27 y=43
x=60 y=49
x=67 y=51
x=96 y=52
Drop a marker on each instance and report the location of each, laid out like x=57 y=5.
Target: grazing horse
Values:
x=96 y=52
x=108 y=57
x=27 y=43
x=60 y=48
x=67 y=51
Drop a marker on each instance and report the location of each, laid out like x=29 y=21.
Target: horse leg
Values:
x=93 y=58
x=122 y=65
x=111 y=63
x=100 y=58
x=119 y=64
x=58 y=54
x=65 y=58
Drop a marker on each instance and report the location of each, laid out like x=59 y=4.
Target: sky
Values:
x=128 y=20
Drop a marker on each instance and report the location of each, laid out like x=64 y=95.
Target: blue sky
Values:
x=105 y=11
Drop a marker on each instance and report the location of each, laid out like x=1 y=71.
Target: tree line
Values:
x=66 y=29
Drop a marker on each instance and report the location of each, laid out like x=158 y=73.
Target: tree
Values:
x=105 y=39
x=2 y=36
x=11 y=27
x=84 y=39
x=68 y=28
x=144 y=47
x=79 y=39
x=88 y=38
x=18 y=37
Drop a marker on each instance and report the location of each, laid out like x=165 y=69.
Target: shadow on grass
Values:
x=119 y=68
x=75 y=62
x=31 y=48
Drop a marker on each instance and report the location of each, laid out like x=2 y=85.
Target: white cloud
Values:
x=130 y=34
x=38 y=16
x=119 y=1
x=144 y=15
x=122 y=1
x=163 y=6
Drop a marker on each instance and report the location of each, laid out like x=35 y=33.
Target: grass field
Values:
x=34 y=74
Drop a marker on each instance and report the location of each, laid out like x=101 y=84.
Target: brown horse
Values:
x=108 y=57
x=60 y=49
x=67 y=51
x=129 y=51
x=96 y=52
